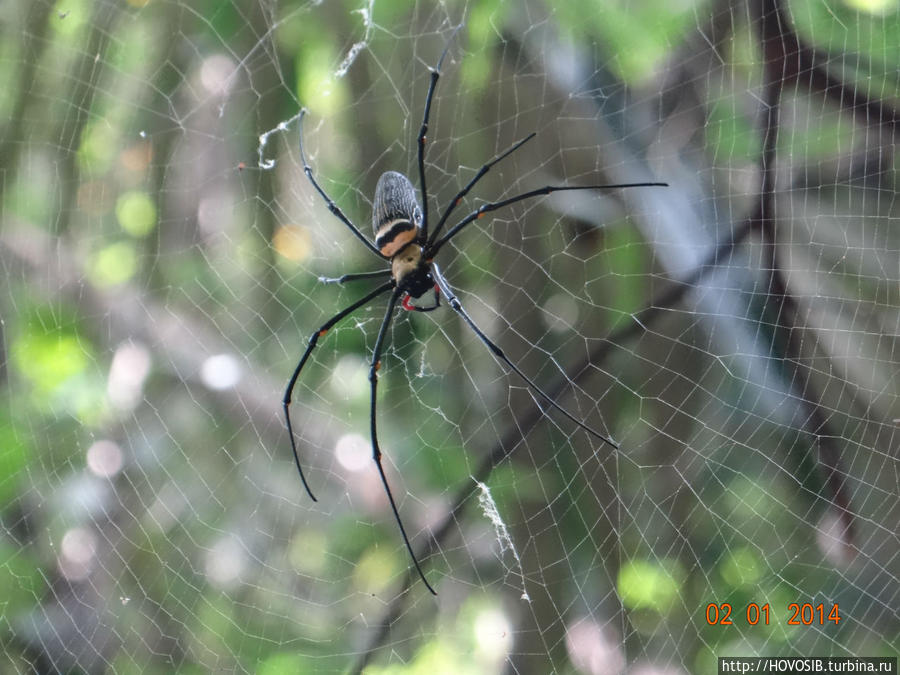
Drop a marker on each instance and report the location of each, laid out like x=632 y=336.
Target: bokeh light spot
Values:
x=292 y=242
x=353 y=452
x=220 y=372
x=646 y=585
x=136 y=213
x=77 y=551
x=113 y=265
x=104 y=458
x=130 y=367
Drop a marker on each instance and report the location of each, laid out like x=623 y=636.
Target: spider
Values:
x=402 y=238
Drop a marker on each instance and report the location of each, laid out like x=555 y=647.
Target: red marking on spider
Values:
x=407 y=300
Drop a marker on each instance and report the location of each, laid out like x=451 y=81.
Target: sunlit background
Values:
x=736 y=333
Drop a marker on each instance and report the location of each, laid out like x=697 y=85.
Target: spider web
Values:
x=736 y=333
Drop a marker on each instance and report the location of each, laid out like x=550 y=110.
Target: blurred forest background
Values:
x=736 y=333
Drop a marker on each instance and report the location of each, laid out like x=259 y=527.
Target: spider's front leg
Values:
x=423 y=133
x=329 y=202
x=376 y=450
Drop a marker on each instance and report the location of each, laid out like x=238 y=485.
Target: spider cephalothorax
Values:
x=400 y=226
x=412 y=273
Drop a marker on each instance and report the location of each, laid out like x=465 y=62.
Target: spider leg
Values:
x=313 y=339
x=355 y=277
x=546 y=190
x=330 y=202
x=462 y=193
x=454 y=303
x=376 y=451
x=423 y=132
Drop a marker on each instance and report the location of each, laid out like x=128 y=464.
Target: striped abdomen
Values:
x=396 y=215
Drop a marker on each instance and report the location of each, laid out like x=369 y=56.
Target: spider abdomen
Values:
x=394 y=235
x=396 y=216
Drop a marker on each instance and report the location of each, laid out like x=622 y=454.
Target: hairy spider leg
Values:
x=423 y=132
x=462 y=193
x=328 y=200
x=313 y=339
x=376 y=451
x=546 y=190
x=457 y=307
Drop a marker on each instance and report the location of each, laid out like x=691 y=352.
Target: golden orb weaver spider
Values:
x=402 y=238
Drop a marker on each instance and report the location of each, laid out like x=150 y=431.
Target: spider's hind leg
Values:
x=495 y=349
x=376 y=450
x=313 y=340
